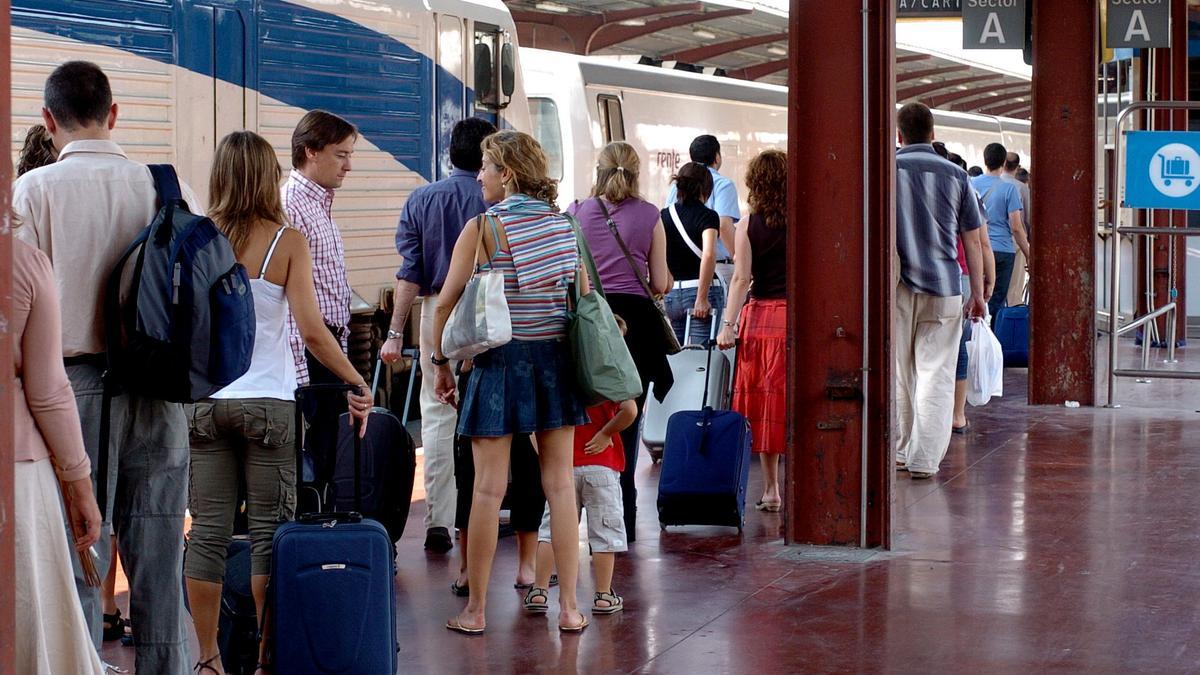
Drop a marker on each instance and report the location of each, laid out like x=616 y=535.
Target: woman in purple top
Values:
x=615 y=214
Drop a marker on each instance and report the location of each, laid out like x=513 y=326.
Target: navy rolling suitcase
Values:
x=1012 y=330
x=705 y=467
x=332 y=603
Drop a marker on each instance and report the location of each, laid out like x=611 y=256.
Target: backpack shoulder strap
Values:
x=166 y=183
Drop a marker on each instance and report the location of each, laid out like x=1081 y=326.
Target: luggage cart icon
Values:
x=1177 y=168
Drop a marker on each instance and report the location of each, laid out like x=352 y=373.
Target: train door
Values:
x=216 y=78
x=450 y=87
x=493 y=58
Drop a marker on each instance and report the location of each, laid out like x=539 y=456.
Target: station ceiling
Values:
x=750 y=42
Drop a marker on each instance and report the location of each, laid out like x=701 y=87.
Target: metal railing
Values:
x=1169 y=309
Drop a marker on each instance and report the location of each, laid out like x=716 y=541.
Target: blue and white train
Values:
x=186 y=72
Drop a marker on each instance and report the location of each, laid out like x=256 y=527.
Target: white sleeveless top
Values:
x=272 y=371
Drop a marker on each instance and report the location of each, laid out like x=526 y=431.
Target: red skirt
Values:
x=760 y=392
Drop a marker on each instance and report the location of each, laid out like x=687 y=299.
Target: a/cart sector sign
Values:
x=928 y=8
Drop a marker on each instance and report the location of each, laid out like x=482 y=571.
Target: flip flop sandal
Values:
x=553 y=580
x=463 y=591
x=114 y=626
x=457 y=627
x=960 y=430
x=771 y=507
x=575 y=629
x=522 y=587
x=615 y=602
x=202 y=666
x=532 y=606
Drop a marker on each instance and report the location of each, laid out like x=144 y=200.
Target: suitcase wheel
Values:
x=656 y=455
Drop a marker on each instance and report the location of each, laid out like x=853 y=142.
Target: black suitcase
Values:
x=388 y=466
x=332 y=599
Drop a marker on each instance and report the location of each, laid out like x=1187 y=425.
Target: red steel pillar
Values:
x=841 y=180
x=7 y=599
x=1062 y=345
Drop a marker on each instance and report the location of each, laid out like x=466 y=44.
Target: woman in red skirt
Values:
x=760 y=392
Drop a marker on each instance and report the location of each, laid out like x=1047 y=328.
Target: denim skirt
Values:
x=521 y=388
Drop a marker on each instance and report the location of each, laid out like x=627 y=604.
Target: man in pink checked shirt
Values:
x=322 y=145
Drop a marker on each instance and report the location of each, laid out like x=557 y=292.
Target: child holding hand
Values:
x=599 y=460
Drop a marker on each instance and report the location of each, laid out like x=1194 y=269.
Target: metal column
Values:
x=1062 y=273
x=7 y=600
x=841 y=182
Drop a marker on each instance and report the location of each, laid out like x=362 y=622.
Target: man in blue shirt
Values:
x=429 y=226
x=934 y=208
x=706 y=150
x=1006 y=230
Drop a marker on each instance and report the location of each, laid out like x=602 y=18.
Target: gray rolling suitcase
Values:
x=691 y=368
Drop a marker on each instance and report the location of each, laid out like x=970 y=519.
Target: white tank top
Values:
x=272 y=371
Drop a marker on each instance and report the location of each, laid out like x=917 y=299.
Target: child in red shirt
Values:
x=599 y=460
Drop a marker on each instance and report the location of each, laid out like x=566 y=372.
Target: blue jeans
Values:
x=679 y=304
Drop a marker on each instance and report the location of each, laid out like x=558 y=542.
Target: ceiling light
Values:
x=777 y=50
x=993 y=93
x=926 y=80
x=963 y=87
x=632 y=22
x=553 y=7
x=703 y=34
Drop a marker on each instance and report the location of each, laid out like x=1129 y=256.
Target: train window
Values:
x=543 y=118
x=495 y=75
x=612 y=122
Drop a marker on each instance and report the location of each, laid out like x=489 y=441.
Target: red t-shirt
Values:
x=613 y=456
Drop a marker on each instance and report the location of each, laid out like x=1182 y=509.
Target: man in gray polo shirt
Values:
x=934 y=207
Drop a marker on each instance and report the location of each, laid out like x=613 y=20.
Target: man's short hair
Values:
x=316 y=130
x=975 y=171
x=940 y=148
x=704 y=149
x=465 y=138
x=994 y=155
x=1012 y=161
x=77 y=94
x=915 y=122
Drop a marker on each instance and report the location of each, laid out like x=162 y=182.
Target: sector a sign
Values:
x=993 y=24
x=1138 y=24
x=928 y=8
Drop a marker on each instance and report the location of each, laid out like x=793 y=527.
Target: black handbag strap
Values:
x=612 y=227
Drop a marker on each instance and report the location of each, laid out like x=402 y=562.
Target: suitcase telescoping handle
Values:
x=708 y=344
x=414 y=354
x=301 y=394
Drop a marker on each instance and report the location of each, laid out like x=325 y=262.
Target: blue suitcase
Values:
x=705 y=467
x=1012 y=330
x=332 y=602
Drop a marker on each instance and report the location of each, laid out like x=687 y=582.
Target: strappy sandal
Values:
x=537 y=592
x=114 y=626
x=202 y=666
x=575 y=629
x=265 y=667
x=615 y=602
x=462 y=591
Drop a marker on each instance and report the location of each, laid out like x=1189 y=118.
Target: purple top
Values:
x=429 y=225
x=635 y=219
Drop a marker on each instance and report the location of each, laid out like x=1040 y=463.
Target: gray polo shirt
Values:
x=934 y=204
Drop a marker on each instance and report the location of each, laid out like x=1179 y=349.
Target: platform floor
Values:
x=1053 y=539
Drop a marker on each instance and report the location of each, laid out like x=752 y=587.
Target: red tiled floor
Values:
x=1053 y=539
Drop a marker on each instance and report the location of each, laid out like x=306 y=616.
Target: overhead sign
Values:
x=1162 y=170
x=924 y=9
x=1138 y=23
x=993 y=24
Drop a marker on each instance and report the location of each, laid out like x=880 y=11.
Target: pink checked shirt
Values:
x=308 y=208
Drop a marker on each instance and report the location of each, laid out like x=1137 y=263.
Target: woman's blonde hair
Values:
x=523 y=156
x=617 y=173
x=766 y=178
x=243 y=188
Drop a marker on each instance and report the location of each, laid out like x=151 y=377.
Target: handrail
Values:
x=1114 y=278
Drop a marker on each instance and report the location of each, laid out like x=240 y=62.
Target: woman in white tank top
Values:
x=247 y=429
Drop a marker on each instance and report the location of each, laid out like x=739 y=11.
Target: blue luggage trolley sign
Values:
x=1162 y=170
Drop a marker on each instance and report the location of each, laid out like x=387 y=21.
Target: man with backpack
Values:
x=83 y=212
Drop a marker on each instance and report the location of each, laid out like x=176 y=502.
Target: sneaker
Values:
x=437 y=539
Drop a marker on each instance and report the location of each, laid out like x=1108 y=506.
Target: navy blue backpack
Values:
x=179 y=320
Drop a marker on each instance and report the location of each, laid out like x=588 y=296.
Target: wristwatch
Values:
x=395 y=335
x=438 y=362
x=729 y=323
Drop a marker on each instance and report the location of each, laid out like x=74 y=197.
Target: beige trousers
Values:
x=438 y=424
x=51 y=636
x=1016 y=287
x=926 y=338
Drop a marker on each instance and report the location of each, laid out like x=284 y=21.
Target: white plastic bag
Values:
x=985 y=364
